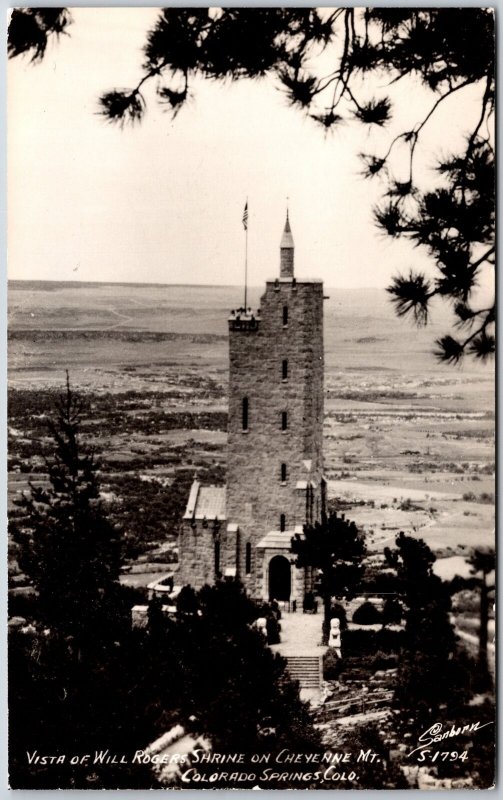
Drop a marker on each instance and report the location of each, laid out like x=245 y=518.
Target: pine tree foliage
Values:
x=66 y=546
x=334 y=550
x=324 y=60
x=30 y=30
x=483 y=563
x=61 y=703
x=432 y=667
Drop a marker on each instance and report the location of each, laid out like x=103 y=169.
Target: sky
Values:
x=162 y=202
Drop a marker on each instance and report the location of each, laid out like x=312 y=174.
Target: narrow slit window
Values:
x=282 y=523
x=284 y=369
x=285 y=315
x=217 y=559
x=284 y=420
x=248 y=558
x=283 y=473
x=245 y=413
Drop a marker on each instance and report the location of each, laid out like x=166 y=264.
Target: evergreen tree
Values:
x=483 y=562
x=334 y=549
x=64 y=704
x=76 y=678
x=66 y=546
x=433 y=670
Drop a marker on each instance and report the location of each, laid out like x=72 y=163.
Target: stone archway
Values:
x=280 y=578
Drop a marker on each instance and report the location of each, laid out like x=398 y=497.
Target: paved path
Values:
x=300 y=635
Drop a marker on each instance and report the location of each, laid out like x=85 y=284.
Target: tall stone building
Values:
x=275 y=478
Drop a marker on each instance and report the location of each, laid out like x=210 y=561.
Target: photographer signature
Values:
x=436 y=733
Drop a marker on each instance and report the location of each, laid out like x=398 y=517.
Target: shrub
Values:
x=367 y=614
x=382 y=582
x=392 y=611
x=332 y=665
x=134 y=595
x=380 y=661
x=367 y=643
x=486 y=497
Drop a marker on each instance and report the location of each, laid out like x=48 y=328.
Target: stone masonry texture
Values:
x=256 y=495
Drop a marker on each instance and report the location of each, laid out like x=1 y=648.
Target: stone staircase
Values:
x=307 y=670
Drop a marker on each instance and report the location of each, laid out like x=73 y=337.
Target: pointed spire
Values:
x=287 y=238
x=286 y=251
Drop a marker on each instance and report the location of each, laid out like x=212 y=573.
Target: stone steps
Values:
x=306 y=670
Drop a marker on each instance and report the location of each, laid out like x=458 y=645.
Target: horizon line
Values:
x=70 y=282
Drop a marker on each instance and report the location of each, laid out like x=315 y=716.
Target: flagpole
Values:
x=246 y=262
x=245 y=223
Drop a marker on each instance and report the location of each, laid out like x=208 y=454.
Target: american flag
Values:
x=245 y=217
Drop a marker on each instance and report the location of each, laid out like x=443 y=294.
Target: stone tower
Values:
x=275 y=435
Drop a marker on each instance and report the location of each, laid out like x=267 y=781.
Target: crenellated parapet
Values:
x=247 y=321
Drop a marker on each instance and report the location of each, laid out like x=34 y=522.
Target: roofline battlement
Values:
x=244 y=322
x=294 y=281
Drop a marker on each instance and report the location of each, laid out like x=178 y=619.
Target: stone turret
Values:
x=286 y=251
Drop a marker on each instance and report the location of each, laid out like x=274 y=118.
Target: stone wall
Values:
x=196 y=554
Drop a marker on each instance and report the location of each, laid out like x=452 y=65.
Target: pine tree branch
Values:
x=483 y=258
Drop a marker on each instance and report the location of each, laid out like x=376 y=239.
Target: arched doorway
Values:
x=280 y=578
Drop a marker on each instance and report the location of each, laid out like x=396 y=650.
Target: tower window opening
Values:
x=284 y=369
x=217 y=559
x=284 y=420
x=285 y=315
x=245 y=413
x=248 y=558
x=323 y=499
x=282 y=523
x=309 y=504
x=283 y=473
